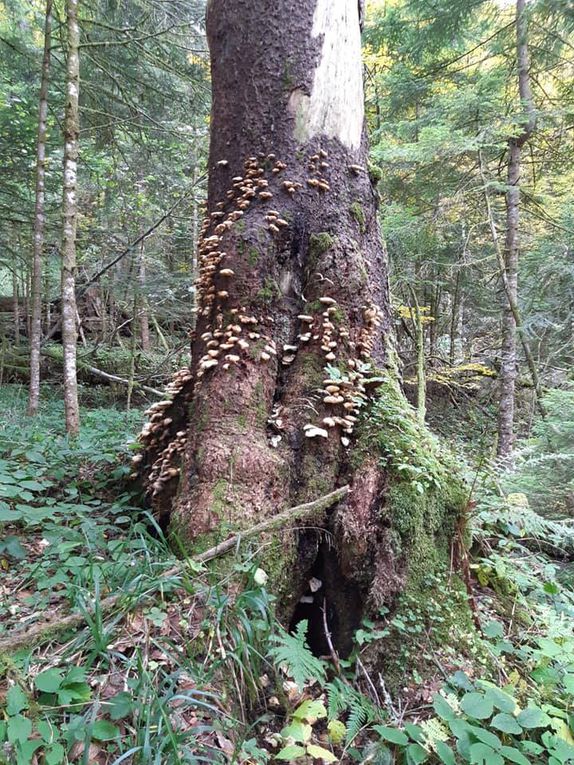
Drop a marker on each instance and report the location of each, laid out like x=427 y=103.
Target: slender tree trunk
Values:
x=16 y=307
x=455 y=319
x=141 y=304
x=69 y=213
x=509 y=363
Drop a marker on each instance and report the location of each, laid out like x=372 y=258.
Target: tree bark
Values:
x=509 y=364
x=141 y=303
x=69 y=214
x=293 y=315
x=39 y=220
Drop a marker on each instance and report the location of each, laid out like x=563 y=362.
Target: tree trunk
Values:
x=69 y=214
x=39 y=220
x=509 y=364
x=141 y=303
x=16 y=307
x=293 y=310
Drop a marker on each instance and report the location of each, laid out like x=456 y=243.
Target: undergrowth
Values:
x=189 y=669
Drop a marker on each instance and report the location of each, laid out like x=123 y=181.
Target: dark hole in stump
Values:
x=334 y=594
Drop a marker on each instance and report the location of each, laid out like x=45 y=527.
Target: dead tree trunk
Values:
x=39 y=220
x=293 y=307
x=69 y=215
x=509 y=362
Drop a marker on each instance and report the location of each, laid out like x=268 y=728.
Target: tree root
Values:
x=42 y=632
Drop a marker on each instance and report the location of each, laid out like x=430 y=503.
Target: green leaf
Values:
x=298 y=731
x=533 y=717
x=501 y=700
x=394 y=735
x=482 y=754
x=477 y=705
x=18 y=729
x=337 y=731
x=506 y=723
x=291 y=752
x=514 y=755
x=416 y=754
x=445 y=753
x=486 y=737
x=104 y=730
x=310 y=710
x=443 y=708
x=318 y=753
x=121 y=705
x=49 y=681
x=55 y=754
x=16 y=700
x=415 y=732
x=493 y=629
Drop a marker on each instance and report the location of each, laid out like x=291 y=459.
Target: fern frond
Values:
x=293 y=652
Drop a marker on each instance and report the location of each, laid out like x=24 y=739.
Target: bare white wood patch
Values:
x=335 y=107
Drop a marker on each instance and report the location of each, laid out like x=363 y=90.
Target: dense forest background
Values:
x=167 y=663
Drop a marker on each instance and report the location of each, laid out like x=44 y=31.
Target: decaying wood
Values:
x=43 y=631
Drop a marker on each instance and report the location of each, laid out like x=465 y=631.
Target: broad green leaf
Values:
x=104 y=730
x=533 y=717
x=121 y=705
x=318 y=753
x=482 y=754
x=19 y=728
x=445 y=753
x=49 y=681
x=16 y=700
x=394 y=735
x=310 y=710
x=291 y=752
x=477 y=705
x=298 y=731
x=415 y=732
x=501 y=700
x=514 y=755
x=486 y=737
x=416 y=754
x=443 y=708
x=506 y=723
x=55 y=754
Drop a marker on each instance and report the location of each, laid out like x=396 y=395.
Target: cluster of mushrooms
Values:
x=229 y=337
x=156 y=432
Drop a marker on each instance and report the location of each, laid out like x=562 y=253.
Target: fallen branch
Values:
x=43 y=631
x=114 y=378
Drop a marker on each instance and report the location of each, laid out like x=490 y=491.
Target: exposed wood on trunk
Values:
x=39 y=220
x=69 y=214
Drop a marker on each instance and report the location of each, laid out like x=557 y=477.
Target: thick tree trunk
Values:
x=293 y=307
x=69 y=214
x=509 y=363
x=39 y=220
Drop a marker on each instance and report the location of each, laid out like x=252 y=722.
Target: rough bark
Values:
x=39 y=220
x=293 y=315
x=509 y=364
x=69 y=215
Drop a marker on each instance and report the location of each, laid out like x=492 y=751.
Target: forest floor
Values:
x=191 y=667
